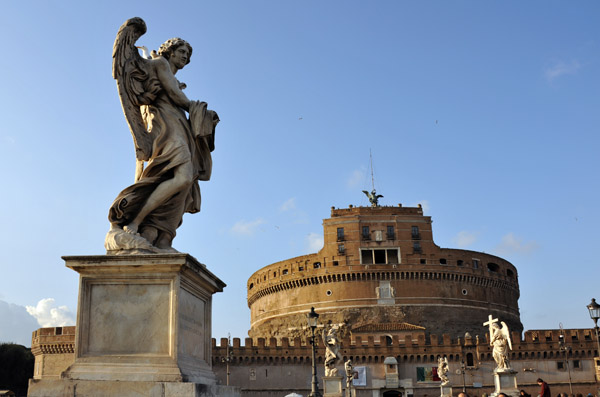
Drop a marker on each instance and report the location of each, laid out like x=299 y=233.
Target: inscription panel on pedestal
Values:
x=128 y=319
x=191 y=325
x=508 y=382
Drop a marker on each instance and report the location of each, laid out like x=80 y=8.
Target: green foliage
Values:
x=16 y=367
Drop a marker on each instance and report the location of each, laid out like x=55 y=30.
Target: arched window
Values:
x=470 y=361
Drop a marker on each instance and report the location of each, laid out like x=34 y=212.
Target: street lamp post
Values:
x=313 y=317
x=462 y=369
x=228 y=356
x=594 y=309
x=566 y=349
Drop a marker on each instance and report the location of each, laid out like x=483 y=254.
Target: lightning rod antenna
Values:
x=372 y=177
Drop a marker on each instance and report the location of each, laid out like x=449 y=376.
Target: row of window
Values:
x=387 y=256
x=390 y=233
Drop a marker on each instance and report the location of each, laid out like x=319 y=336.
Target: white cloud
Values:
x=48 y=315
x=560 y=68
x=513 y=244
x=9 y=139
x=288 y=205
x=464 y=238
x=356 y=178
x=17 y=324
x=314 y=242
x=247 y=228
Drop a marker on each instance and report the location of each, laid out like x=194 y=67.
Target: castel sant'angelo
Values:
x=380 y=271
x=399 y=302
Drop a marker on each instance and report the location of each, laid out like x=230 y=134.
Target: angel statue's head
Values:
x=170 y=46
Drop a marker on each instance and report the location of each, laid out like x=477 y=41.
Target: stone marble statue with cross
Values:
x=501 y=343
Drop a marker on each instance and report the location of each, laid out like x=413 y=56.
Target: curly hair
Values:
x=167 y=48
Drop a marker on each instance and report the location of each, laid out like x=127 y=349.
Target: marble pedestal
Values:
x=143 y=327
x=506 y=382
x=332 y=386
x=446 y=390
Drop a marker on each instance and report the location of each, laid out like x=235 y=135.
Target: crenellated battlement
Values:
x=366 y=348
x=380 y=210
x=53 y=340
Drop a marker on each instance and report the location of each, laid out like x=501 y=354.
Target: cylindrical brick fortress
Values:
x=379 y=265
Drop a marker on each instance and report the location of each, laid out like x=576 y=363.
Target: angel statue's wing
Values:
x=136 y=86
x=506 y=334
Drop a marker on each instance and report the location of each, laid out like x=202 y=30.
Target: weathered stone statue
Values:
x=332 y=350
x=349 y=369
x=173 y=149
x=442 y=370
x=500 y=341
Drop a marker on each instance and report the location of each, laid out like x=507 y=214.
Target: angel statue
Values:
x=332 y=350
x=500 y=342
x=442 y=370
x=173 y=149
x=373 y=197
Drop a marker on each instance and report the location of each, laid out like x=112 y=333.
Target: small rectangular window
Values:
x=574 y=337
x=392 y=256
x=423 y=261
x=576 y=364
x=416 y=246
x=391 y=234
x=300 y=268
x=560 y=365
x=341 y=249
x=366 y=235
x=335 y=263
x=340 y=234
x=285 y=271
x=414 y=231
x=317 y=265
x=475 y=263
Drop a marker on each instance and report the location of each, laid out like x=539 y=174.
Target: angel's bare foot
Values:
x=132 y=228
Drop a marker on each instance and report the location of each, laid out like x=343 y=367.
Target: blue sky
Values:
x=487 y=113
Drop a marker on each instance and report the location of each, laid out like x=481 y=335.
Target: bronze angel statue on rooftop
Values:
x=173 y=138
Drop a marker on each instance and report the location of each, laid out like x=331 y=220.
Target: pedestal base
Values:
x=446 y=390
x=506 y=382
x=143 y=329
x=90 y=388
x=332 y=386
